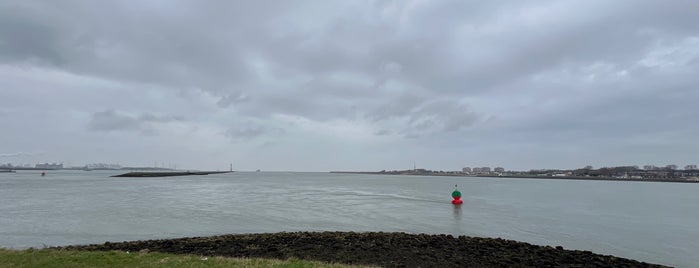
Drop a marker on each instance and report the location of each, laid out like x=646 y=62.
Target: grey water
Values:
x=646 y=221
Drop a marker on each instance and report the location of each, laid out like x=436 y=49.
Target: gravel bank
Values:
x=382 y=249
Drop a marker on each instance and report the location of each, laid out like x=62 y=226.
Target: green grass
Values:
x=62 y=258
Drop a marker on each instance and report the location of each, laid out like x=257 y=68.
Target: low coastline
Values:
x=376 y=248
x=589 y=178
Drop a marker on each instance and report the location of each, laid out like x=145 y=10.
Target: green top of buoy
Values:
x=456 y=192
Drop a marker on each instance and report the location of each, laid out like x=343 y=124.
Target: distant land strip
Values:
x=590 y=178
x=169 y=174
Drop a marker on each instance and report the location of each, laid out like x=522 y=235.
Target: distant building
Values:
x=671 y=167
x=481 y=170
x=49 y=166
x=102 y=166
x=499 y=169
x=466 y=170
x=650 y=167
x=690 y=167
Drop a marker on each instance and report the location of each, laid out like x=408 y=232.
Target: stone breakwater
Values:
x=170 y=173
x=382 y=249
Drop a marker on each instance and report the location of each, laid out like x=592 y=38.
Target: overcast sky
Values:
x=350 y=85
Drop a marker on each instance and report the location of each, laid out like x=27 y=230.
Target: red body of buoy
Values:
x=456 y=195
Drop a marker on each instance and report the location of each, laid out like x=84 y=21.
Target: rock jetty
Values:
x=168 y=174
x=378 y=248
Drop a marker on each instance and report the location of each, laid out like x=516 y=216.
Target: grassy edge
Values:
x=70 y=258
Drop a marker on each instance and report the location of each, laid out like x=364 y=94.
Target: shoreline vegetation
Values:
x=144 y=258
x=373 y=248
x=517 y=176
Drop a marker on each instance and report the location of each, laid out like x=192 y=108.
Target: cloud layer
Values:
x=352 y=85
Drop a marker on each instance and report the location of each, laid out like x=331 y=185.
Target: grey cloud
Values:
x=431 y=65
x=111 y=120
x=396 y=107
x=428 y=47
x=435 y=119
x=145 y=49
x=251 y=131
x=160 y=119
x=425 y=52
x=403 y=69
x=20 y=154
x=23 y=38
x=651 y=104
x=452 y=116
x=382 y=132
x=424 y=116
x=300 y=103
x=226 y=101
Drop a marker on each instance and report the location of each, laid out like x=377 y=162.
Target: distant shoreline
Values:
x=88 y=169
x=522 y=177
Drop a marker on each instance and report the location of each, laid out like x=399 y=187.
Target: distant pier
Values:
x=169 y=174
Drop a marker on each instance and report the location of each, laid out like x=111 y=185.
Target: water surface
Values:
x=648 y=221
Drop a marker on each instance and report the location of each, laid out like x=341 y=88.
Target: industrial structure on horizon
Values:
x=49 y=166
x=621 y=172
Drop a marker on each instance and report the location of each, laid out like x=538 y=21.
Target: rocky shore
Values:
x=377 y=248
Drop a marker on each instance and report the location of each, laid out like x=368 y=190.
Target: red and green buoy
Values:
x=456 y=195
